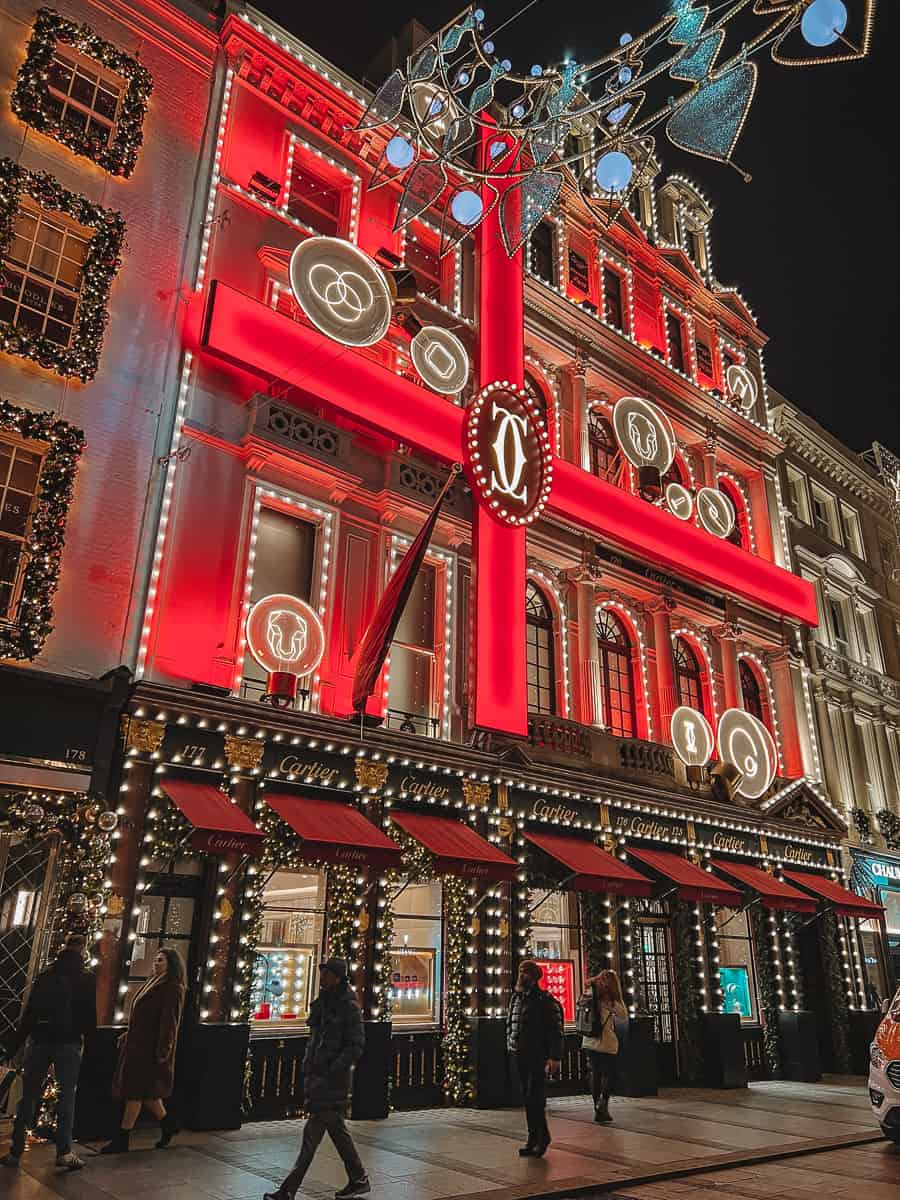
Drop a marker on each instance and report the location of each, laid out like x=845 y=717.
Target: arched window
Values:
x=539 y=396
x=751 y=692
x=616 y=674
x=605 y=458
x=740 y=535
x=541 y=670
x=688 y=676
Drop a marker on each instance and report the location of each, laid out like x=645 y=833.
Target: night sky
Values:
x=809 y=242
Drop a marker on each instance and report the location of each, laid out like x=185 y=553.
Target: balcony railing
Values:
x=406 y=722
x=563 y=737
x=856 y=672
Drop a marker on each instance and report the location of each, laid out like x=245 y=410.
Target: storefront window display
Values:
x=165 y=920
x=736 y=969
x=290 y=945
x=878 y=986
x=556 y=937
x=416 y=955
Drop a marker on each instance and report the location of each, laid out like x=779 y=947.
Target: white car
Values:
x=884 y=1072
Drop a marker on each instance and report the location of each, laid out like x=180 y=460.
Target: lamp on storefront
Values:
x=725 y=778
x=285 y=636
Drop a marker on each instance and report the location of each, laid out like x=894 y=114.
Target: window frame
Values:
x=683 y=672
x=827 y=500
x=546 y=624
x=796 y=479
x=610 y=447
x=279 y=1025
x=17 y=445
x=747 y=938
x=29 y=96
x=79 y=63
x=570 y=900
x=553 y=281
x=609 y=271
x=608 y=650
x=851 y=527
x=437 y=1017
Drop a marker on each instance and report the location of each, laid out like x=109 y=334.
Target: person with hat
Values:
x=335 y=1045
x=534 y=1038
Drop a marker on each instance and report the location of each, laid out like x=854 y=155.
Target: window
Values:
x=635 y=204
x=740 y=533
x=688 y=676
x=737 y=974
x=165 y=919
x=869 y=641
x=285 y=973
x=696 y=249
x=82 y=97
x=315 y=201
x=824 y=513
x=416 y=955
x=556 y=936
x=668 y=220
x=675 y=338
x=751 y=692
x=604 y=449
x=704 y=358
x=852 y=531
x=839 y=615
x=43 y=273
x=19 y=473
x=887 y=548
x=798 y=497
x=540 y=400
x=612 y=299
x=542 y=254
x=616 y=674
x=284 y=562
x=539 y=654
x=413 y=662
x=422 y=259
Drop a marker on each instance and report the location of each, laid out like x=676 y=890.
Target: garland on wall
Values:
x=25 y=637
x=597 y=943
x=343 y=905
x=81 y=356
x=836 y=985
x=863 y=825
x=889 y=824
x=768 y=987
x=31 y=98
x=690 y=1014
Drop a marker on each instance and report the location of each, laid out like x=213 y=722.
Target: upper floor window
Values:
x=841 y=622
x=613 y=310
x=422 y=259
x=59 y=256
x=539 y=652
x=688 y=675
x=84 y=92
x=740 y=533
x=316 y=201
x=616 y=674
x=824 y=513
x=604 y=449
x=798 y=496
x=696 y=249
x=417 y=656
x=869 y=639
x=751 y=692
x=542 y=252
x=852 y=531
x=675 y=340
x=19 y=473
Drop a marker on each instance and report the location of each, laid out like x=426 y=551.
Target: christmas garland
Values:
x=30 y=96
x=889 y=824
x=768 y=988
x=690 y=1014
x=597 y=947
x=102 y=261
x=24 y=639
x=837 y=989
x=863 y=825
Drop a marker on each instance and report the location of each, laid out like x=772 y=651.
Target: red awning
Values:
x=220 y=827
x=457 y=848
x=334 y=832
x=844 y=903
x=595 y=870
x=693 y=883
x=772 y=892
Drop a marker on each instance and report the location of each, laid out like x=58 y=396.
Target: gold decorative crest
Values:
x=475 y=792
x=146 y=736
x=370 y=774
x=245 y=753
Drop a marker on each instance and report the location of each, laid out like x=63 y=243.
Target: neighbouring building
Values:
x=103 y=123
x=841 y=510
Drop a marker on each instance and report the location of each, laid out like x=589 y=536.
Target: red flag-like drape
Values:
x=377 y=640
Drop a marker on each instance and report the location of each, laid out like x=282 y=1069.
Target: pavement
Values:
x=470 y=1154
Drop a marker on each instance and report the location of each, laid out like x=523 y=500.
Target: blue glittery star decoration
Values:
x=525 y=203
x=386 y=103
x=710 y=122
x=697 y=61
x=690 y=22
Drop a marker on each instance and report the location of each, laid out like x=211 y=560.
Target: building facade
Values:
x=841 y=513
x=102 y=125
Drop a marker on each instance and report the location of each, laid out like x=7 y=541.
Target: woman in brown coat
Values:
x=145 y=1073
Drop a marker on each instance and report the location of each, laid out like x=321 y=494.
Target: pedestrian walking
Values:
x=602 y=1042
x=145 y=1072
x=58 y=1024
x=335 y=1046
x=534 y=1038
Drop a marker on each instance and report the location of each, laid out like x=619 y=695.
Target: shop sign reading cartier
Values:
x=727 y=841
x=796 y=852
x=308 y=765
x=650 y=826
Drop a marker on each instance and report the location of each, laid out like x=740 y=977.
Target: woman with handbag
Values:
x=602 y=1044
x=145 y=1074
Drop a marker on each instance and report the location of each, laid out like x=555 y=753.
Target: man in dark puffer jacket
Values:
x=335 y=1046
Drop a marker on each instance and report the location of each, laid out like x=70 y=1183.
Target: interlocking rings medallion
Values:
x=509 y=457
x=342 y=290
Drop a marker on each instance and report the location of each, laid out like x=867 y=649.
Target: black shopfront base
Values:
x=724 y=1065
x=799 y=1042
x=636 y=1066
x=863 y=1025
x=209 y=1077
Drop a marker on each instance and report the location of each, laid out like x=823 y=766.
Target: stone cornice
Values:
x=841 y=465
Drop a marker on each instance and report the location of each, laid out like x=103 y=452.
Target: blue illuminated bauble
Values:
x=518 y=111
x=478 y=14
x=625 y=39
x=614 y=171
x=496 y=148
x=435 y=107
x=625 y=75
x=489 y=47
x=823 y=22
x=537 y=71
x=466 y=207
x=400 y=152
x=463 y=78
x=619 y=114
x=506 y=65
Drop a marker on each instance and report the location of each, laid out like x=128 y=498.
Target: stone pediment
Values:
x=802 y=803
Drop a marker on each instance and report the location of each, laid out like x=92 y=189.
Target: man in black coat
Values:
x=534 y=1038
x=58 y=1023
x=335 y=1045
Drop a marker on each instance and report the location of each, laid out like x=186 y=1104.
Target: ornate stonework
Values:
x=245 y=753
x=370 y=774
x=476 y=793
x=144 y=736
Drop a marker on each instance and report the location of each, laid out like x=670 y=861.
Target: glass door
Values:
x=656 y=992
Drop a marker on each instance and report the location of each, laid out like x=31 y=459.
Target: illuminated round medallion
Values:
x=679 y=501
x=746 y=743
x=741 y=386
x=441 y=359
x=692 y=736
x=716 y=512
x=644 y=433
x=509 y=458
x=343 y=292
x=285 y=635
